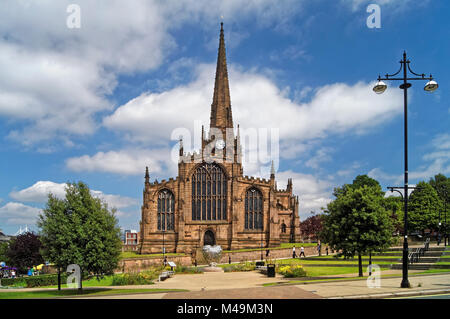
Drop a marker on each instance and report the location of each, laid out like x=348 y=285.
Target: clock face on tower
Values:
x=220 y=144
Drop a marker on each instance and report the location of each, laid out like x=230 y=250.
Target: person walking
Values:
x=318 y=249
x=326 y=249
x=302 y=252
x=293 y=252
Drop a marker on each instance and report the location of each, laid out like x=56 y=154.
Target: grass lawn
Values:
x=93 y=282
x=432 y=271
x=327 y=261
x=133 y=254
x=329 y=271
x=74 y=292
x=298 y=245
x=331 y=257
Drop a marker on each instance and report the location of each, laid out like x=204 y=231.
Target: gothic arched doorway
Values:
x=209 y=238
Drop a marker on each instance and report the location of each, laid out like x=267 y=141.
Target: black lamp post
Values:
x=445 y=217
x=261 y=242
x=379 y=88
x=164 y=248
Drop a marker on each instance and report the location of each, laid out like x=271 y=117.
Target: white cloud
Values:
x=322 y=155
x=38 y=193
x=125 y=162
x=390 y=4
x=16 y=213
x=313 y=192
x=54 y=79
x=257 y=103
x=437 y=161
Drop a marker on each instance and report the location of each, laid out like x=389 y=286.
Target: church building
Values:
x=211 y=202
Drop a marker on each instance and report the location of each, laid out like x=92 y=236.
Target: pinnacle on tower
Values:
x=272 y=171
x=221 y=116
x=147 y=175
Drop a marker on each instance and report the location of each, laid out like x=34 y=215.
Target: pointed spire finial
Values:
x=147 y=175
x=272 y=171
x=221 y=114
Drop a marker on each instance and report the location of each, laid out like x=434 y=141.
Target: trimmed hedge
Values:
x=141 y=278
x=35 y=281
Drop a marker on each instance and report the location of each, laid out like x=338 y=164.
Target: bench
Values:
x=165 y=274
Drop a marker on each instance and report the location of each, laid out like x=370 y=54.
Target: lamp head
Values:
x=431 y=86
x=380 y=87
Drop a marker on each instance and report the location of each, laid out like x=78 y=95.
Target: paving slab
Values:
x=357 y=289
x=280 y=292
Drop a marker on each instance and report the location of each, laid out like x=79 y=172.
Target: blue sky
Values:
x=100 y=102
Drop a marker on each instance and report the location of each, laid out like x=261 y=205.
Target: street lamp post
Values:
x=379 y=88
x=164 y=248
x=445 y=217
x=261 y=244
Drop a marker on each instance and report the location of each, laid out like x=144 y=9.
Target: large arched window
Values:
x=253 y=209
x=166 y=210
x=209 y=193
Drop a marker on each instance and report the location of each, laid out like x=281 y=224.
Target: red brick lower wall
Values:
x=274 y=254
x=139 y=264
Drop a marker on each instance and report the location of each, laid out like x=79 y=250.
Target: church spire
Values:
x=221 y=116
x=147 y=176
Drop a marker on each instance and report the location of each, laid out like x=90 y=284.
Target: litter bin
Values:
x=270 y=270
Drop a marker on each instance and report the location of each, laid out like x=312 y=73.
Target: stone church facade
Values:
x=211 y=201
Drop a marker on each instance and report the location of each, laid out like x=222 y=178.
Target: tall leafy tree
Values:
x=80 y=229
x=364 y=180
x=358 y=182
x=3 y=252
x=424 y=207
x=356 y=223
x=441 y=184
x=312 y=226
x=24 y=251
x=394 y=207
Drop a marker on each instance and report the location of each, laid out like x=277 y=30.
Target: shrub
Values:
x=137 y=278
x=34 y=281
x=247 y=266
x=290 y=271
x=188 y=270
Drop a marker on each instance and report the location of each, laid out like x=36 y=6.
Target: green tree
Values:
x=3 y=252
x=358 y=182
x=80 y=229
x=24 y=252
x=423 y=209
x=356 y=223
x=364 y=180
x=441 y=184
x=394 y=207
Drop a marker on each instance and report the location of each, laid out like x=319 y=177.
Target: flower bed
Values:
x=292 y=271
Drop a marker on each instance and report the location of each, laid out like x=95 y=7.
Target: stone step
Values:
x=374 y=260
x=433 y=248
x=427 y=253
x=420 y=266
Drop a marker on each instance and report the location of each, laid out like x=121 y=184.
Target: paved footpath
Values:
x=248 y=285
